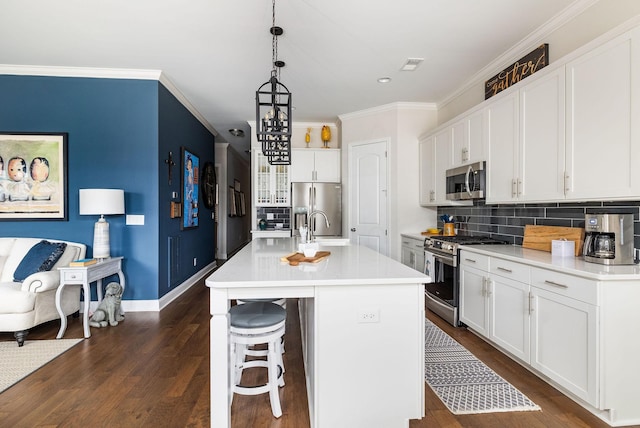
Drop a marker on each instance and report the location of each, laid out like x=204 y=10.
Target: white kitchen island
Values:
x=362 y=323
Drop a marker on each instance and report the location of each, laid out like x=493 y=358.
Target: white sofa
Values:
x=32 y=302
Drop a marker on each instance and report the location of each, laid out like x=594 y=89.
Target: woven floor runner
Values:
x=465 y=384
x=17 y=362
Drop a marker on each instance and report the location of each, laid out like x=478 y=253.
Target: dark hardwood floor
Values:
x=153 y=371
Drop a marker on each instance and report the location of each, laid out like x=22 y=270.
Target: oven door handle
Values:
x=444 y=260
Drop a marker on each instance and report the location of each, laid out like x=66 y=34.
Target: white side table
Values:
x=85 y=275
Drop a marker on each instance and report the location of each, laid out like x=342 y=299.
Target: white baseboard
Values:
x=164 y=301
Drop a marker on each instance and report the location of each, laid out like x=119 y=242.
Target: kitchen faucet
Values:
x=309 y=228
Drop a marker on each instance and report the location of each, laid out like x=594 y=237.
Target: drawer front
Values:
x=78 y=276
x=413 y=243
x=585 y=290
x=509 y=269
x=478 y=261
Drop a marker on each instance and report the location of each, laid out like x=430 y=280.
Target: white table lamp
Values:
x=101 y=202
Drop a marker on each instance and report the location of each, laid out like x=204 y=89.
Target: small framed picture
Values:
x=243 y=210
x=233 y=212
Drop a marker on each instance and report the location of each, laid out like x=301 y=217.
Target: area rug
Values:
x=17 y=362
x=465 y=384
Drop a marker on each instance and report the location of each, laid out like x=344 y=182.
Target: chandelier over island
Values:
x=273 y=108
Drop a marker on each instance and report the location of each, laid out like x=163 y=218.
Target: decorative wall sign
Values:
x=33 y=176
x=524 y=67
x=190 y=178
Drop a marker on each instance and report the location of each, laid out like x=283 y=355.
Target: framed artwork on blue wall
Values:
x=33 y=176
x=190 y=175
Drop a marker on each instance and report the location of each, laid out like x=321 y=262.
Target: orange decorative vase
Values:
x=325 y=135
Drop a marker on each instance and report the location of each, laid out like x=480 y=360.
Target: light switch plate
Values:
x=135 y=220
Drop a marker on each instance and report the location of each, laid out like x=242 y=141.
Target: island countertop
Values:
x=259 y=261
x=358 y=311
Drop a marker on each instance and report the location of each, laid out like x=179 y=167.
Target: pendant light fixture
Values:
x=273 y=108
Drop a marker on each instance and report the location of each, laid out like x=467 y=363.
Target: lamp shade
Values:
x=101 y=201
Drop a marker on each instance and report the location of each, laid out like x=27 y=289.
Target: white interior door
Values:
x=368 y=204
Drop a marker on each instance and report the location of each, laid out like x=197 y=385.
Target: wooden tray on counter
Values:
x=295 y=259
x=540 y=237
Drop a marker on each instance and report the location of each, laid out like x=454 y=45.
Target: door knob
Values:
x=353 y=229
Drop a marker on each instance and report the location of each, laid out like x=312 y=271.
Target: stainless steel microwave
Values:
x=466 y=182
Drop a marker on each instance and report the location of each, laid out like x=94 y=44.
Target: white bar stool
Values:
x=280 y=302
x=251 y=324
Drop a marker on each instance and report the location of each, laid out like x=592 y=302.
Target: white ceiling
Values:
x=218 y=52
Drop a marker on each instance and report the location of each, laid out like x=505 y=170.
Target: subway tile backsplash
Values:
x=280 y=215
x=507 y=222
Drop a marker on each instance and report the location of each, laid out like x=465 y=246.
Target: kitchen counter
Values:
x=352 y=306
x=417 y=235
x=271 y=233
x=572 y=265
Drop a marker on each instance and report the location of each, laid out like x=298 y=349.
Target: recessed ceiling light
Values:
x=384 y=80
x=236 y=132
x=412 y=64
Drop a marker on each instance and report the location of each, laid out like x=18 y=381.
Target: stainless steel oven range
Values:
x=441 y=255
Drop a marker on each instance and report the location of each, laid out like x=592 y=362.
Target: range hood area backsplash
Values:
x=507 y=222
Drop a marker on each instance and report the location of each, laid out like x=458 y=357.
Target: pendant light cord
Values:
x=274 y=42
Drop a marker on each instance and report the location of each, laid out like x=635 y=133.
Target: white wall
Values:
x=234 y=232
x=400 y=124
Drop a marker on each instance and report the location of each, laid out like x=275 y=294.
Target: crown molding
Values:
x=99 y=73
x=185 y=102
x=107 y=73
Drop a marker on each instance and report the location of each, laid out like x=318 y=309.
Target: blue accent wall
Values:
x=119 y=132
x=179 y=128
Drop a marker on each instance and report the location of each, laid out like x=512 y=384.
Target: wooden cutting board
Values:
x=295 y=259
x=540 y=237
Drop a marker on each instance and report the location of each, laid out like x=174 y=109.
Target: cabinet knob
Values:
x=353 y=229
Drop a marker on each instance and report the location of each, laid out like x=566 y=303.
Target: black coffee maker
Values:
x=608 y=239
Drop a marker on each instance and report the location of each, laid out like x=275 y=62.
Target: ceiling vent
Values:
x=412 y=64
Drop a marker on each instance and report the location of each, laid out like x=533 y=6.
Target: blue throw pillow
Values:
x=40 y=258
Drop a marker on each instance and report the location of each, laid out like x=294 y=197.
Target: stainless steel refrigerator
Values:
x=308 y=197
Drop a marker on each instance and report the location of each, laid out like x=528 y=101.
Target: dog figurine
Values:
x=109 y=310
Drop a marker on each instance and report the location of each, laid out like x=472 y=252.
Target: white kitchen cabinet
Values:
x=271 y=186
x=436 y=157
x=563 y=342
x=494 y=299
x=509 y=307
x=321 y=165
x=564 y=316
x=603 y=131
x=526 y=142
x=502 y=160
x=469 y=139
x=426 y=153
x=443 y=161
x=579 y=316
x=412 y=253
x=541 y=144
x=474 y=305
